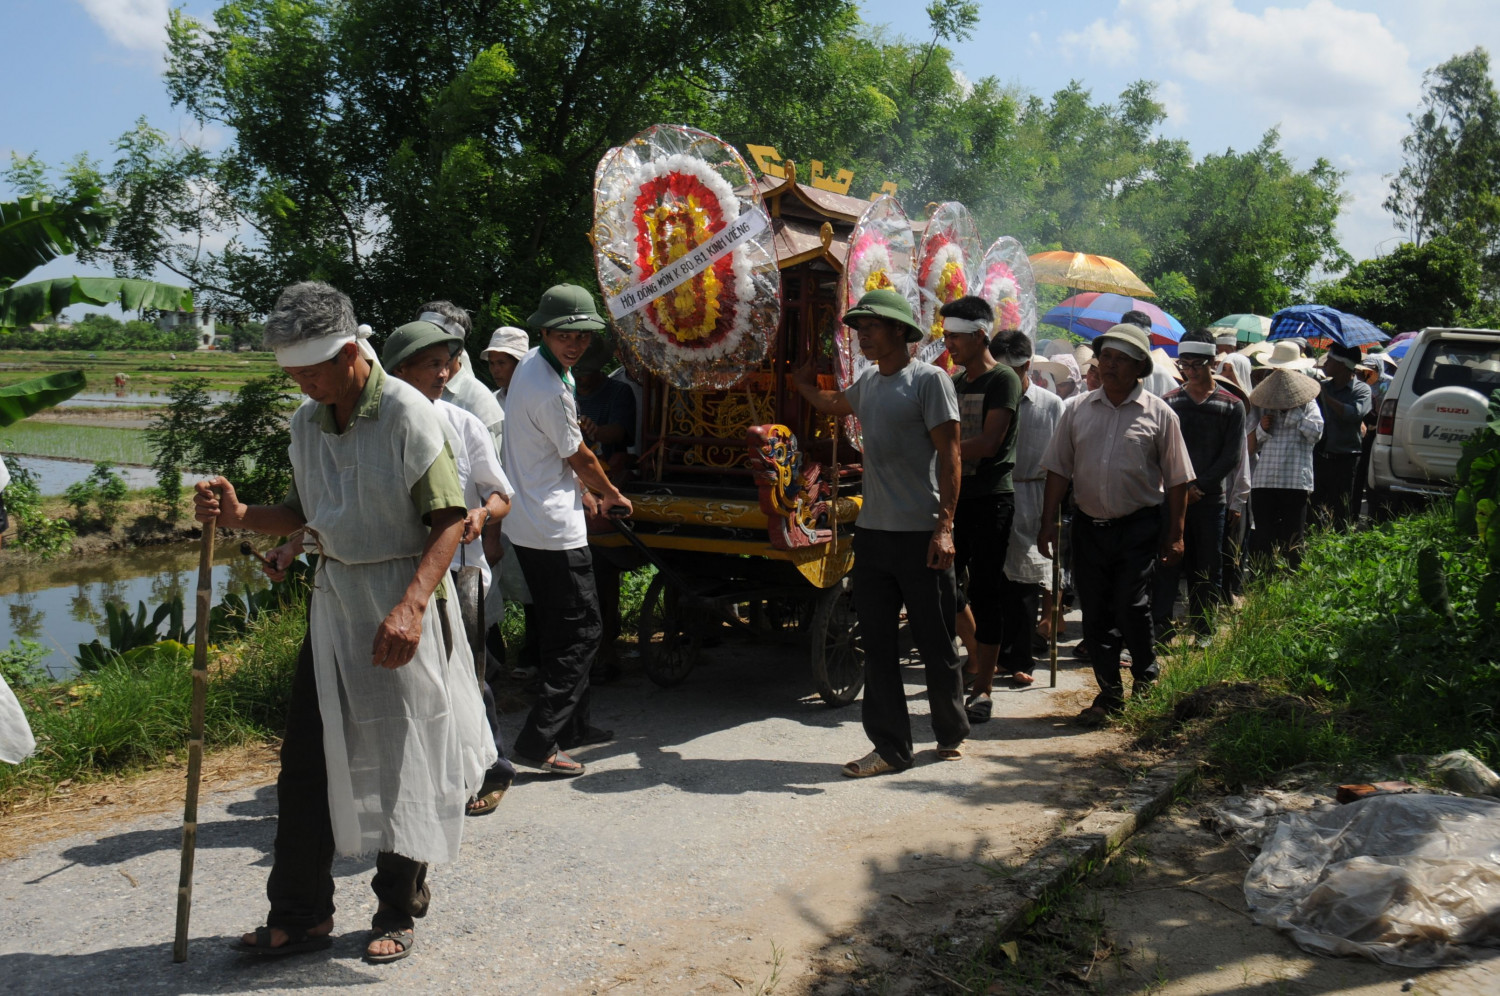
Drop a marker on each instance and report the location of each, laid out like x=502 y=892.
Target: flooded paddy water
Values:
x=61 y=605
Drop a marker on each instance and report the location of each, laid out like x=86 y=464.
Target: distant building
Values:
x=203 y=322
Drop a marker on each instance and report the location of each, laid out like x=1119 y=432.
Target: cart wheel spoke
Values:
x=838 y=663
x=669 y=644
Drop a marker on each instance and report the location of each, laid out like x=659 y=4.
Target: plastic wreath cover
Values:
x=880 y=257
x=1006 y=282
x=947 y=265
x=684 y=255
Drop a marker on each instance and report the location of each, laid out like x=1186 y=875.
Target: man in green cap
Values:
x=550 y=463
x=1122 y=449
x=908 y=413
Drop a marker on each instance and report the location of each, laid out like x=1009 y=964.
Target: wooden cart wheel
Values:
x=777 y=615
x=838 y=660
x=669 y=644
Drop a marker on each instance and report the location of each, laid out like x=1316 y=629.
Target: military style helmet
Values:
x=567 y=308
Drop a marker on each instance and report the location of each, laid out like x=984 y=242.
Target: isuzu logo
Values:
x=1443 y=435
x=1452 y=411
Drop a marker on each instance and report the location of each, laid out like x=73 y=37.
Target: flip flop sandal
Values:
x=405 y=940
x=297 y=942
x=871 y=764
x=979 y=708
x=953 y=752
x=486 y=802
x=558 y=764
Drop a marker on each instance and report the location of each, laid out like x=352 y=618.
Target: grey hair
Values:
x=309 y=310
x=452 y=312
x=1013 y=348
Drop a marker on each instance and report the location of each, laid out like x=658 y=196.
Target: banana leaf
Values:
x=27 y=303
x=37 y=230
x=30 y=396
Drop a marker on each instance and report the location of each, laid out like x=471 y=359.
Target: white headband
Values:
x=1227 y=339
x=965 y=325
x=443 y=322
x=1197 y=349
x=323 y=348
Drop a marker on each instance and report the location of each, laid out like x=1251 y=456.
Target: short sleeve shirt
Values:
x=896 y=413
x=541 y=432
x=995 y=389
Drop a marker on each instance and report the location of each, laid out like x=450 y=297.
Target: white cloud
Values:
x=139 y=25
x=1112 y=43
x=1172 y=99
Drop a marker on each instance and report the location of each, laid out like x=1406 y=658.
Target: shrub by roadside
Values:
x=1343 y=662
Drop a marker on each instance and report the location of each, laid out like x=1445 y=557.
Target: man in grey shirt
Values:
x=908 y=413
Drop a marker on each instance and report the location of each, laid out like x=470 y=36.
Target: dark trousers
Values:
x=1333 y=487
x=1202 y=540
x=300 y=886
x=1232 y=550
x=890 y=569
x=567 y=617
x=1113 y=565
x=1018 y=614
x=1280 y=522
x=981 y=533
x=1362 y=470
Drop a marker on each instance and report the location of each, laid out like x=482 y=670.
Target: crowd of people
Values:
x=408 y=472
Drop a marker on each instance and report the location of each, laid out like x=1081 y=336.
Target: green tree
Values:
x=1437 y=283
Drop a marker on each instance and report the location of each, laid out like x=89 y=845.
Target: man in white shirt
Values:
x=547 y=457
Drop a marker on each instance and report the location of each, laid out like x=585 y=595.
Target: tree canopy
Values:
x=411 y=149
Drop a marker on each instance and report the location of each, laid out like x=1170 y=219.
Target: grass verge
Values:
x=1342 y=662
x=149 y=373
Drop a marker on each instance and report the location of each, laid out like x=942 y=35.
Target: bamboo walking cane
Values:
x=195 y=740
x=1054 y=608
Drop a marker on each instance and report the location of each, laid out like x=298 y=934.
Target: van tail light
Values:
x=1387 y=424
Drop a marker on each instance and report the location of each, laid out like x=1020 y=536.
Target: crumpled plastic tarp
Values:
x=1410 y=880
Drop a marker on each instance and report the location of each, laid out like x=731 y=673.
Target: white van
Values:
x=1437 y=400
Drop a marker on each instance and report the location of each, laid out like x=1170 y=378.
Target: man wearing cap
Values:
x=988 y=393
x=550 y=462
x=464 y=389
x=1212 y=422
x=1123 y=451
x=1344 y=400
x=908 y=413
x=376 y=758
x=421 y=354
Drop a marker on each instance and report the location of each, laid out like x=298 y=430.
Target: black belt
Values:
x=1150 y=511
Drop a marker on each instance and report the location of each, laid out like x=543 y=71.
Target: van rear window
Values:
x=1459 y=363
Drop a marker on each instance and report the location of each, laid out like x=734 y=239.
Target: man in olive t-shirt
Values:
x=988 y=393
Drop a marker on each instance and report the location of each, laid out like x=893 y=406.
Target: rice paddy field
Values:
x=148 y=373
x=76 y=442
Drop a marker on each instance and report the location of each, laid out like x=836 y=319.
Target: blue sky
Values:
x=1337 y=76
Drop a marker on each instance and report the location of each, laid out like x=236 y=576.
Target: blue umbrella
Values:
x=1091 y=314
x=1318 y=321
x=1399 y=349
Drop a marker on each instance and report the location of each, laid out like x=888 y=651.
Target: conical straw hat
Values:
x=1284 y=389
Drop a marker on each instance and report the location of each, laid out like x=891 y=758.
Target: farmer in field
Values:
x=555 y=471
x=909 y=415
x=1123 y=451
x=385 y=735
x=421 y=354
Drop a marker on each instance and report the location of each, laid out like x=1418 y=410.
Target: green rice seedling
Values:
x=76 y=442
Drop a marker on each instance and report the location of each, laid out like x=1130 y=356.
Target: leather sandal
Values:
x=871 y=764
x=297 y=942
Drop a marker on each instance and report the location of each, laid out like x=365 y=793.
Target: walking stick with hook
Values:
x=1054 y=605
x=195 y=739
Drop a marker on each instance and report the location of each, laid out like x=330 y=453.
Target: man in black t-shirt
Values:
x=988 y=393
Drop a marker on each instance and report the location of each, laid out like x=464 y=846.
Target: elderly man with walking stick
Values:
x=385 y=736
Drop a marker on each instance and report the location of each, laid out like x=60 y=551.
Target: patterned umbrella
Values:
x=1313 y=321
x=1089 y=273
x=1249 y=328
x=1091 y=314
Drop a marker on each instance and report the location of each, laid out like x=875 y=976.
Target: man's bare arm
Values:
x=991 y=436
x=805 y=380
x=398 y=636
x=214 y=499
x=592 y=475
x=945 y=438
x=1046 y=537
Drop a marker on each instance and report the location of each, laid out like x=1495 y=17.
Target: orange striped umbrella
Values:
x=1086 y=272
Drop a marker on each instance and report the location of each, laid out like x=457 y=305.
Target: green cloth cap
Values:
x=413 y=337
x=888 y=304
x=1127 y=338
x=567 y=308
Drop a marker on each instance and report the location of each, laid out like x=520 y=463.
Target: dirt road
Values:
x=713 y=847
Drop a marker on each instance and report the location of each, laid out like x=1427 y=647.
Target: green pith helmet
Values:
x=413 y=337
x=888 y=304
x=567 y=308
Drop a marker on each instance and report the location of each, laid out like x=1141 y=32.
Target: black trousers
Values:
x=1232 y=549
x=981 y=533
x=567 y=617
x=1018 y=615
x=1280 y=523
x=1202 y=562
x=1333 y=488
x=1113 y=565
x=300 y=886
x=890 y=570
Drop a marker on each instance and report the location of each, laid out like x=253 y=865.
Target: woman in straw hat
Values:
x=1290 y=426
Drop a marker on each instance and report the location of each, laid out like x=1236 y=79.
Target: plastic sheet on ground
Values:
x=1410 y=880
